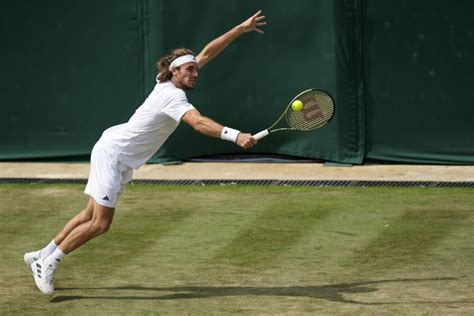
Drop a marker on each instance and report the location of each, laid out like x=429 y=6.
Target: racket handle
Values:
x=261 y=135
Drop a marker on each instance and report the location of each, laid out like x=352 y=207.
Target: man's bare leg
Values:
x=84 y=216
x=77 y=232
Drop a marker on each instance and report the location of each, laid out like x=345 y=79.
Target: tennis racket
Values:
x=318 y=109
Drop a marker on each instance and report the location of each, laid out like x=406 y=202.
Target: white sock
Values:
x=49 y=249
x=55 y=257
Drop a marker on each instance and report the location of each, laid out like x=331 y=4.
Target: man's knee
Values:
x=100 y=227
x=102 y=219
x=87 y=213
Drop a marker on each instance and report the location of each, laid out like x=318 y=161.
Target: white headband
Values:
x=182 y=60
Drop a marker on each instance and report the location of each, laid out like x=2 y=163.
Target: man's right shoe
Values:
x=44 y=276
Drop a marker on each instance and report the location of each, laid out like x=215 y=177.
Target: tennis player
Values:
x=128 y=146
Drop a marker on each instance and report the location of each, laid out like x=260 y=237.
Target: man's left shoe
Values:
x=31 y=257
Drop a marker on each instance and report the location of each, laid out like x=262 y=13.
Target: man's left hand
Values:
x=254 y=22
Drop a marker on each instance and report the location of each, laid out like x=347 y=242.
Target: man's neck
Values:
x=176 y=84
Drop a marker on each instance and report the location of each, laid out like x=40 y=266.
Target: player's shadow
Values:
x=333 y=293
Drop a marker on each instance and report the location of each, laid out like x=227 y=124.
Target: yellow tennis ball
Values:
x=297 y=105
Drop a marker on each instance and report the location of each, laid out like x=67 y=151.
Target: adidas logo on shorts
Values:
x=106 y=198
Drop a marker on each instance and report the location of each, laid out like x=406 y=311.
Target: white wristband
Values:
x=229 y=134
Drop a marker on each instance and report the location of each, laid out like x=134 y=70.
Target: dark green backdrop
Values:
x=400 y=72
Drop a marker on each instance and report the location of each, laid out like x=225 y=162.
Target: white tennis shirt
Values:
x=134 y=142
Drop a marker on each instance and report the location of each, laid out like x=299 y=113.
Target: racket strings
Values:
x=318 y=108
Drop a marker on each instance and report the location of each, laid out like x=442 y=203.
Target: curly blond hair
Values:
x=165 y=61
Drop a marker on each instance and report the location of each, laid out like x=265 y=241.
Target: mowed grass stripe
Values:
x=278 y=227
x=413 y=235
x=324 y=250
x=215 y=220
x=458 y=241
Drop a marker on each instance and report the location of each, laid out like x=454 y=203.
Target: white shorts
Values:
x=107 y=177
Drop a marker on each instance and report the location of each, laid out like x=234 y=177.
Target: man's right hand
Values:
x=246 y=140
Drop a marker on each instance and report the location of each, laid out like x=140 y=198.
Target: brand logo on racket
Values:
x=312 y=111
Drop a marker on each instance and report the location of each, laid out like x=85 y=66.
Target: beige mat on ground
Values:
x=254 y=171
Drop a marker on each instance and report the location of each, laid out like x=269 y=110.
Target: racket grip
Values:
x=261 y=134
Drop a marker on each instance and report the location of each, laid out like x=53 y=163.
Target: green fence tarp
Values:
x=400 y=73
x=419 y=72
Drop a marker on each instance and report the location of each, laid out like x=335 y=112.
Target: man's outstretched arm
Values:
x=215 y=47
x=208 y=127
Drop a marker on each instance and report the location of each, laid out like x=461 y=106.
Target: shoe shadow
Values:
x=333 y=293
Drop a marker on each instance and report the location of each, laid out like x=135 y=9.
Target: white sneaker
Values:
x=44 y=276
x=31 y=257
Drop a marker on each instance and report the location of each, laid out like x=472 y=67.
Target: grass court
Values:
x=247 y=250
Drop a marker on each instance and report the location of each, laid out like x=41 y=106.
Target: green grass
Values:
x=247 y=250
